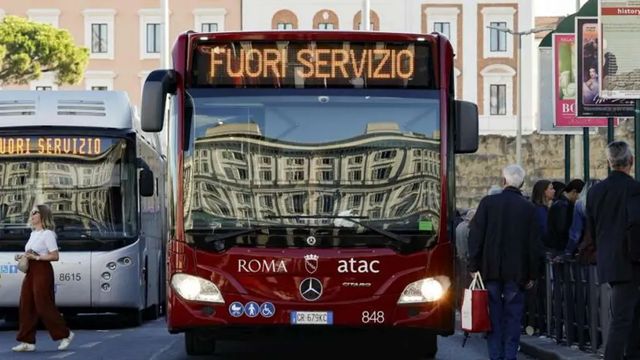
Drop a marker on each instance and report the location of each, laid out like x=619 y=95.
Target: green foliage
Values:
x=28 y=49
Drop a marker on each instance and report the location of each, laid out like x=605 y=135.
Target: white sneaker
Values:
x=24 y=347
x=64 y=344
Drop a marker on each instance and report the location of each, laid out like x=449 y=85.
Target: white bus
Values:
x=82 y=154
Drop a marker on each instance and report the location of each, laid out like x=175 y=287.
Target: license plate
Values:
x=312 y=317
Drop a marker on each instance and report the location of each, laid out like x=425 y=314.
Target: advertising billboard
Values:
x=565 y=84
x=589 y=103
x=618 y=58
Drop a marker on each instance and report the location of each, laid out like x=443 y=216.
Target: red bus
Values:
x=311 y=183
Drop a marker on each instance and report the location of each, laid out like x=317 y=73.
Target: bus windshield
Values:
x=88 y=182
x=313 y=158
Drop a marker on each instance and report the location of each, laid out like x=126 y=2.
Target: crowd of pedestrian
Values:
x=510 y=236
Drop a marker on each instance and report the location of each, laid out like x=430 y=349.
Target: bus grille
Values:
x=81 y=108
x=17 y=107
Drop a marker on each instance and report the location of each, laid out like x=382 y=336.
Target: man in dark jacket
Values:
x=504 y=245
x=607 y=221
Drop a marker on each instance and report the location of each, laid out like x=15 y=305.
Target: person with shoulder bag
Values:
x=37 y=299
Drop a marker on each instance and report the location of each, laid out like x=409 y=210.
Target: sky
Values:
x=554 y=7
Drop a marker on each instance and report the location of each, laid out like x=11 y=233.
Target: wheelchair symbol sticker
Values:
x=267 y=310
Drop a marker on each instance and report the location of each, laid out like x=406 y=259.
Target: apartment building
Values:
x=124 y=39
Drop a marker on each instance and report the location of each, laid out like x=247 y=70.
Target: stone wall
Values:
x=543 y=158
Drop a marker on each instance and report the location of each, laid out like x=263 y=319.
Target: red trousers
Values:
x=37 y=302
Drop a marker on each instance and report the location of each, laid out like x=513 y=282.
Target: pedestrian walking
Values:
x=37 y=299
x=504 y=247
x=607 y=220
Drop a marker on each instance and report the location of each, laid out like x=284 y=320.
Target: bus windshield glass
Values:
x=285 y=159
x=87 y=181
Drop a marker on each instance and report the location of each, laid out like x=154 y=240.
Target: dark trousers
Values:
x=506 y=305
x=624 y=335
x=37 y=302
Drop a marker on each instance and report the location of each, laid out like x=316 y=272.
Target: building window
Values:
x=355 y=201
x=374 y=21
x=150 y=28
x=381 y=173
x=99 y=80
x=266 y=201
x=43 y=16
x=297 y=203
x=498 y=39
x=325 y=26
x=385 y=155
x=443 y=28
x=265 y=175
x=154 y=33
x=377 y=198
x=209 y=27
x=284 y=20
x=498 y=100
x=265 y=160
x=325 y=20
x=326 y=175
x=325 y=204
x=355 y=175
x=99 y=38
x=355 y=160
x=209 y=19
x=44 y=88
x=285 y=26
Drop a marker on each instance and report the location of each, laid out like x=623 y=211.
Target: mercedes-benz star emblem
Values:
x=311 y=289
x=311 y=240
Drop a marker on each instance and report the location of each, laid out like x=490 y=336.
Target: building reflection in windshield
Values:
x=235 y=176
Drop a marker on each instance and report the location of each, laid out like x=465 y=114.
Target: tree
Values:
x=28 y=49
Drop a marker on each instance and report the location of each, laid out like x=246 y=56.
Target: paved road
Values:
x=102 y=338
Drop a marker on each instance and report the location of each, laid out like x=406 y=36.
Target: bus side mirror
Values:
x=146 y=183
x=158 y=84
x=465 y=127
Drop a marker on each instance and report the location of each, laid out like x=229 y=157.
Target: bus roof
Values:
x=88 y=109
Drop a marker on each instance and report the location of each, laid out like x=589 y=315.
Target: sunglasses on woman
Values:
x=35 y=212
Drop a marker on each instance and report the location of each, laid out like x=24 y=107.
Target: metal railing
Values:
x=569 y=305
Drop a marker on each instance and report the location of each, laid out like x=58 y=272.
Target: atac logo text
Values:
x=354 y=266
x=262 y=266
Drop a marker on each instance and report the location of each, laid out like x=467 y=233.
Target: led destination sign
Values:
x=51 y=145
x=313 y=64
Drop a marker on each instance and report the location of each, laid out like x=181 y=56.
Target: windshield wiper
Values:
x=225 y=235
x=81 y=235
x=388 y=234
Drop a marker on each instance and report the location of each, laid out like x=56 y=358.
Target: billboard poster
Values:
x=618 y=58
x=588 y=100
x=565 y=84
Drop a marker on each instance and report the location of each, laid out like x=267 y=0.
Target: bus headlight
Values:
x=196 y=288
x=426 y=290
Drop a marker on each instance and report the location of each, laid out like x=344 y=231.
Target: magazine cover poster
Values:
x=588 y=100
x=565 y=84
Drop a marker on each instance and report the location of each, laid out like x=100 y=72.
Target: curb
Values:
x=547 y=349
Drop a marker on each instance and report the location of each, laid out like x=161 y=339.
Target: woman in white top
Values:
x=37 y=299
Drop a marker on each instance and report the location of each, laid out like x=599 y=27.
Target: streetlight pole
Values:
x=519 y=34
x=166 y=57
x=365 y=19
